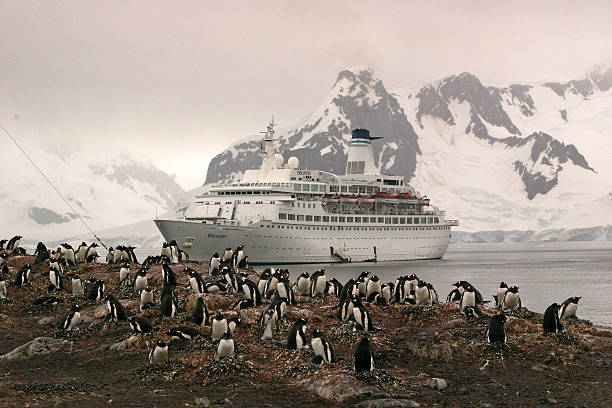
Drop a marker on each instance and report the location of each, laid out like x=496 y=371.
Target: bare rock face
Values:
x=388 y=403
x=339 y=388
x=40 y=345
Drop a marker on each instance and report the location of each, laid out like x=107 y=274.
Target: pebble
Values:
x=202 y=402
x=551 y=401
x=45 y=320
x=437 y=384
x=487 y=405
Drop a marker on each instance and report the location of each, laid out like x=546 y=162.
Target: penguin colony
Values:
x=274 y=289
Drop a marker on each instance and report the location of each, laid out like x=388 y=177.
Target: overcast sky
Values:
x=177 y=81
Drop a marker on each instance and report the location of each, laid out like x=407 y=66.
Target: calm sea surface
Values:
x=545 y=272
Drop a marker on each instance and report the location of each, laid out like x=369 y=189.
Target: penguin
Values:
x=297 y=335
x=271 y=285
x=456 y=293
x=362 y=317
x=568 y=308
x=250 y=291
x=230 y=279
x=321 y=347
x=511 y=299
x=23 y=276
x=364 y=359
x=55 y=278
x=77 y=286
x=13 y=243
x=346 y=291
x=346 y=308
x=422 y=295
x=69 y=254
x=141 y=282
x=2 y=243
x=496 y=332
x=219 y=326
x=199 y=314
x=41 y=253
x=433 y=294
x=237 y=256
x=243 y=304
x=140 y=324
x=124 y=275
x=72 y=320
x=96 y=292
x=225 y=348
x=168 y=274
x=214 y=287
x=362 y=283
x=81 y=251
x=285 y=291
x=46 y=300
x=265 y=325
x=132 y=255
x=373 y=286
x=472 y=311
x=117 y=253
x=57 y=265
x=3 y=258
x=399 y=293
x=468 y=298
x=552 y=323
x=125 y=254
x=110 y=257
x=159 y=354
x=303 y=284
x=166 y=251
x=213 y=265
x=279 y=305
x=147 y=299
x=227 y=255
x=174 y=251
x=195 y=280
x=3 y=293
x=233 y=323
x=168 y=306
x=244 y=263
x=115 y=309
x=183 y=333
x=263 y=279
x=91 y=255
x=334 y=287
x=501 y=291
x=318 y=281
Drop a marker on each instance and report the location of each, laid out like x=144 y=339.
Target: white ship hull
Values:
x=266 y=243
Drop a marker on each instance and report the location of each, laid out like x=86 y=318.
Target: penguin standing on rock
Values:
x=552 y=323
x=147 y=299
x=243 y=304
x=97 y=291
x=3 y=258
x=115 y=309
x=77 y=285
x=362 y=317
x=511 y=299
x=250 y=291
x=225 y=348
x=69 y=254
x=124 y=275
x=110 y=257
x=140 y=324
x=237 y=256
x=568 y=308
x=23 y=276
x=91 y=255
x=227 y=255
x=265 y=325
x=318 y=282
x=233 y=323
x=373 y=286
x=263 y=280
x=297 y=335
x=501 y=291
x=55 y=278
x=169 y=302
x=214 y=264
x=364 y=360
x=166 y=251
x=303 y=284
x=334 y=287
x=41 y=253
x=346 y=308
x=195 y=280
x=73 y=319
x=183 y=333
x=199 y=314
x=496 y=332
x=141 y=282
x=3 y=293
x=219 y=326
x=422 y=294
x=13 y=243
x=174 y=251
x=81 y=251
x=168 y=274
x=468 y=298
x=159 y=354
x=321 y=347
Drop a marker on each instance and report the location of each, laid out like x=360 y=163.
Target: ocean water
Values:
x=544 y=272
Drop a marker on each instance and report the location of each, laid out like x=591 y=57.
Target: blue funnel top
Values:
x=363 y=134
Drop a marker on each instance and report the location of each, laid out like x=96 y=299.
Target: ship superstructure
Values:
x=282 y=213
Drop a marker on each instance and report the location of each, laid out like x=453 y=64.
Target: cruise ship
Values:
x=283 y=214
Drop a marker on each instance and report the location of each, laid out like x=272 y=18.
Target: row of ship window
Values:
x=355 y=228
x=364 y=220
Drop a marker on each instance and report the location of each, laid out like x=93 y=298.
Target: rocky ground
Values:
x=425 y=356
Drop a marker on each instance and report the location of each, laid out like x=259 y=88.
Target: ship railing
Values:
x=453 y=223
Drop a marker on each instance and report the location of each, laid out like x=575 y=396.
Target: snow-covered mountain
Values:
x=109 y=188
x=522 y=157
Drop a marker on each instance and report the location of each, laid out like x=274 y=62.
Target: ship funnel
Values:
x=360 y=157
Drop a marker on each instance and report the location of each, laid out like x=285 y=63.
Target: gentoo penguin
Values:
x=213 y=265
x=117 y=253
x=41 y=253
x=91 y=255
x=501 y=291
x=347 y=291
x=81 y=251
x=195 y=280
x=199 y=314
x=110 y=257
x=115 y=309
x=131 y=255
x=511 y=299
x=271 y=284
x=3 y=294
x=472 y=311
x=140 y=324
x=166 y=251
x=214 y=287
x=468 y=298
x=227 y=255
x=346 y=308
x=233 y=323
x=147 y=299
x=13 y=243
x=263 y=280
x=183 y=333
x=57 y=265
x=168 y=274
x=174 y=251
x=364 y=360
x=297 y=335
x=433 y=294
x=219 y=326
x=362 y=317
x=303 y=284
x=72 y=320
x=124 y=275
x=285 y=291
x=334 y=287
x=496 y=332
x=568 y=308
x=399 y=293
x=321 y=347
x=422 y=295
x=23 y=276
x=243 y=304
x=2 y=243
x=225 y=348
x=3 y=258
x=456 y=293
x=55 y=278
x=96 y=292
x=237 y=256
x=279 y=305
x=244 y=263
x=411 y=298
x=318 y=281
x=159 y=354
x=265 y=325
x=77 y=286
x=46 y=300
x=250 y=291
x=69 y=254
x=552 y=323
x=141 y=282
x=373 y=286
x=231 y=279
x=168 y=304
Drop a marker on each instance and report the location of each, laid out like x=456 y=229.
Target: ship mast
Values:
x=267 y=147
